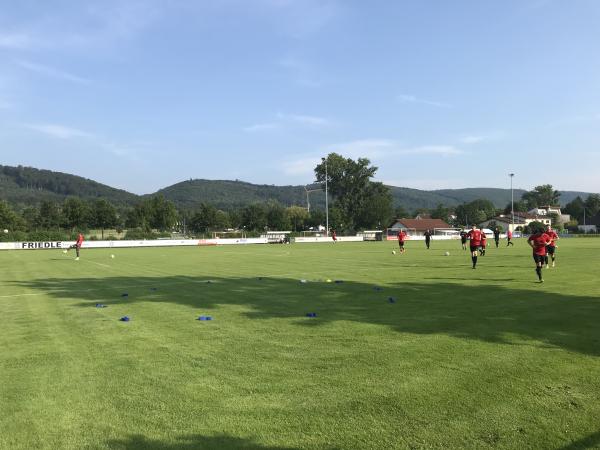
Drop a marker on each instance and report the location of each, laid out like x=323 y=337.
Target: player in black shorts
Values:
x=463 y=239
x=428 y=238
x=497 y=236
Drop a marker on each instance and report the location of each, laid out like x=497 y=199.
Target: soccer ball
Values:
x=393 y=252
x=65 y=252
x=112 y=256
x=6 y=231
x=447 y=254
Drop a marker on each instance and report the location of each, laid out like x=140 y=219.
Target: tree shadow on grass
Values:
x=190 y=442
x=591 y=441
x=485 y=312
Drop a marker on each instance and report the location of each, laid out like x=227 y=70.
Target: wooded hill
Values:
x=25 y=186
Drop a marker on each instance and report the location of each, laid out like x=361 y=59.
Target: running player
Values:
x=334 y=236
x=463 y=239
x=508 y=238
x=475 y=238
x=401 y=237
x=483 y=244
x=77 y=245
x=427 y=238
x=552 y=247
x=538 y=242
x=497 y=236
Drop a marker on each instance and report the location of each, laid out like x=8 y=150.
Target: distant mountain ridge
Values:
x=24 y=186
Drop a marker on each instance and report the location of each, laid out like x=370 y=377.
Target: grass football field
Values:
x=459 y=358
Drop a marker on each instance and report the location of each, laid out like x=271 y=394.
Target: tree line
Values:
x=356 y=203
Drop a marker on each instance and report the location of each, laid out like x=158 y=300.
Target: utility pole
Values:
x=512 y=203
x=326 y=203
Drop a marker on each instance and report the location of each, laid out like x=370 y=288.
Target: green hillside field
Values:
x=458 y=358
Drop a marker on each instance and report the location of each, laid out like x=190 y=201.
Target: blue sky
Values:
x=437 y=94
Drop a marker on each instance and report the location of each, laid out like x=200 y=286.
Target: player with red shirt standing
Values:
x=508 y=238
x=475 y=241
x=77 y=245
x=483 y=244
x=334 y=236
x=538 y=242
x=401 y=237
x=552 y=247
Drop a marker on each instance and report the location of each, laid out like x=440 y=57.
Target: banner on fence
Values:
x=58 y=245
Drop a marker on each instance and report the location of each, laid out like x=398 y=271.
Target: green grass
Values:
x=464 y=358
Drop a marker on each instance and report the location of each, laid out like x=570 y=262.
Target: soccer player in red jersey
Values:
x=334 y=236
x=475 y=238
x=552 y=247
x=77 y=245
x=483 y=244
x=401 y=237
x=508 y=238
x=538 y=242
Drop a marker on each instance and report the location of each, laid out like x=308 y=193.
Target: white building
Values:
x=521 y=220
x=547 y=210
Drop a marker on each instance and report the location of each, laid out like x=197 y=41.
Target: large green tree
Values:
x=204 y=219
x=103 y=215
x=592 y=204
x=163 y=214
x=49 y=216
x=277 y=219
x=475 y=212
x=575 y=208
x=75 y=213
x=376 y=211
x=9 y=220
x=297 y=216
x=360 y=202
x=543 y=195
x=254 y=217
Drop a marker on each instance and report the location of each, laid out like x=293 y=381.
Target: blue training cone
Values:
x=124 y=294
x=311 y=314
x=205 y=318
x=100 y=305
x=391 y=300
x=125 y=319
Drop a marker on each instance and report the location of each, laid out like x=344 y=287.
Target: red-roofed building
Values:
x=417 y=227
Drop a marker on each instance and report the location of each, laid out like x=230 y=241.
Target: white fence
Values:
x=49 y=245
x=304 y=240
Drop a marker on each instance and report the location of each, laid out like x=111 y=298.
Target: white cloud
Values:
x=260 y=127
x=287 y=120
x=383 y=148
x=302 y=166
x=19 y=41
x=302 y=18
x=313 y=121
x=83 y=25
x=479 y=138
x=444 y=150
x=59 y=131
x=472 y=139
x=301 y=72
x=405 y=98
x=425 y=183
x=52 y=72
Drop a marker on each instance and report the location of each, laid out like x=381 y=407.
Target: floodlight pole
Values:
x=307 y=201
x=512 y=203
x=326 y=203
